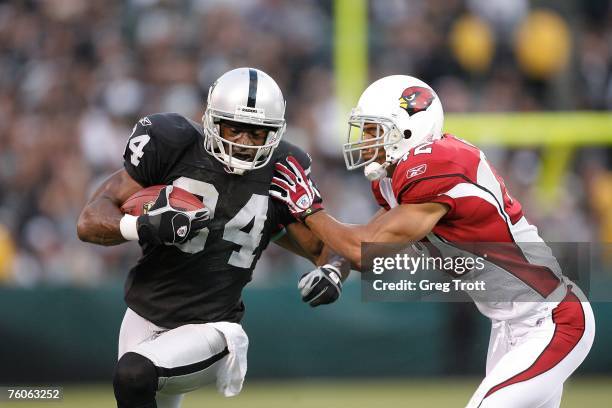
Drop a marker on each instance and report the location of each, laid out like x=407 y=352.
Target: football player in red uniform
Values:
x=437 y=188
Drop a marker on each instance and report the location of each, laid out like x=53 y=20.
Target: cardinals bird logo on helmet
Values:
x=416 y=99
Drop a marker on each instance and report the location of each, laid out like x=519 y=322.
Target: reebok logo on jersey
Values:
x=145 y=121
x=415 y=171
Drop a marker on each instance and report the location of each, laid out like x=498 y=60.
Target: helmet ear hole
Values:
x=407 y=134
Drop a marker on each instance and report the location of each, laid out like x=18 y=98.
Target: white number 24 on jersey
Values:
x=255 y=210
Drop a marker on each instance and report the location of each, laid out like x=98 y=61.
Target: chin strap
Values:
x=238 y=172
x=376 y=171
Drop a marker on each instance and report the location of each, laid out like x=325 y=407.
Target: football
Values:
x=140 y=202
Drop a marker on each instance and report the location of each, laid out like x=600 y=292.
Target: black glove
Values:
x=321 y=286
x=164 y=224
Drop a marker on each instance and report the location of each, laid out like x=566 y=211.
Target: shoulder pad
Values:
x=156 y=143
x=286 y=149
x=171 y=129
x=440 y=162
x=435 y=159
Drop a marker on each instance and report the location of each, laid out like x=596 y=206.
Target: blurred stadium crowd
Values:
x=75 y=75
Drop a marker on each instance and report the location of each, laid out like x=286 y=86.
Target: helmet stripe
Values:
x=252 y=88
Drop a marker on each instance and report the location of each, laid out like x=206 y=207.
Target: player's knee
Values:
x=135 y=381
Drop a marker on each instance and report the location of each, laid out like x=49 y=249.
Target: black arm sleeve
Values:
x=280 y=216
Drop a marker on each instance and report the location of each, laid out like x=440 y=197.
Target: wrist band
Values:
x=128 y=228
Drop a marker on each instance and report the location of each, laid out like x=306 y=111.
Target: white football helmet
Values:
x=407 y=112
x=248 y=96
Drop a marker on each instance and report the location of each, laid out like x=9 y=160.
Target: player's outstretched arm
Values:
x=403 y=224
x=303 y=242
x=323 y=285
x=299 y=240
x=100 y=218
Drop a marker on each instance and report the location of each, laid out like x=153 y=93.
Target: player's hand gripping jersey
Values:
x=201 y=280
x=453 y=172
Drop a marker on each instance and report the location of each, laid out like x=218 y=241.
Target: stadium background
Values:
x=75 y=75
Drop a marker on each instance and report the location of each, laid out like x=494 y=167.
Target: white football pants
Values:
x=528 y=361
x=186 y=358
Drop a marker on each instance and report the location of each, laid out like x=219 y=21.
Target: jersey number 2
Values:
x=254 y=211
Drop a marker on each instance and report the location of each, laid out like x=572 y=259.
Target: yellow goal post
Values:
x=557 y=134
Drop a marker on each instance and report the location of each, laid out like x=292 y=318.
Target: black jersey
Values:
x=201 y=281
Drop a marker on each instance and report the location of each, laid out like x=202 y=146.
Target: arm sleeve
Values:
x=280 y=216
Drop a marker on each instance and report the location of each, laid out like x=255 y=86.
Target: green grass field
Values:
x=579 y=393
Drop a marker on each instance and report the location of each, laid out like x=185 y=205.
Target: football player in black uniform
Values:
x=181 y=329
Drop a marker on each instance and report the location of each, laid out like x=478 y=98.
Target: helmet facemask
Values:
x=225 y=150
x=250 y=99
x=364 y=147
x=407 y=112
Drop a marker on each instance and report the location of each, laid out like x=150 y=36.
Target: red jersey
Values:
x=455 y=173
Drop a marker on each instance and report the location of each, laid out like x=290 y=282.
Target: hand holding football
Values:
x=139 y=202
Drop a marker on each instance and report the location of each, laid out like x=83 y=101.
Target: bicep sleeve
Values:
x=280 y=217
